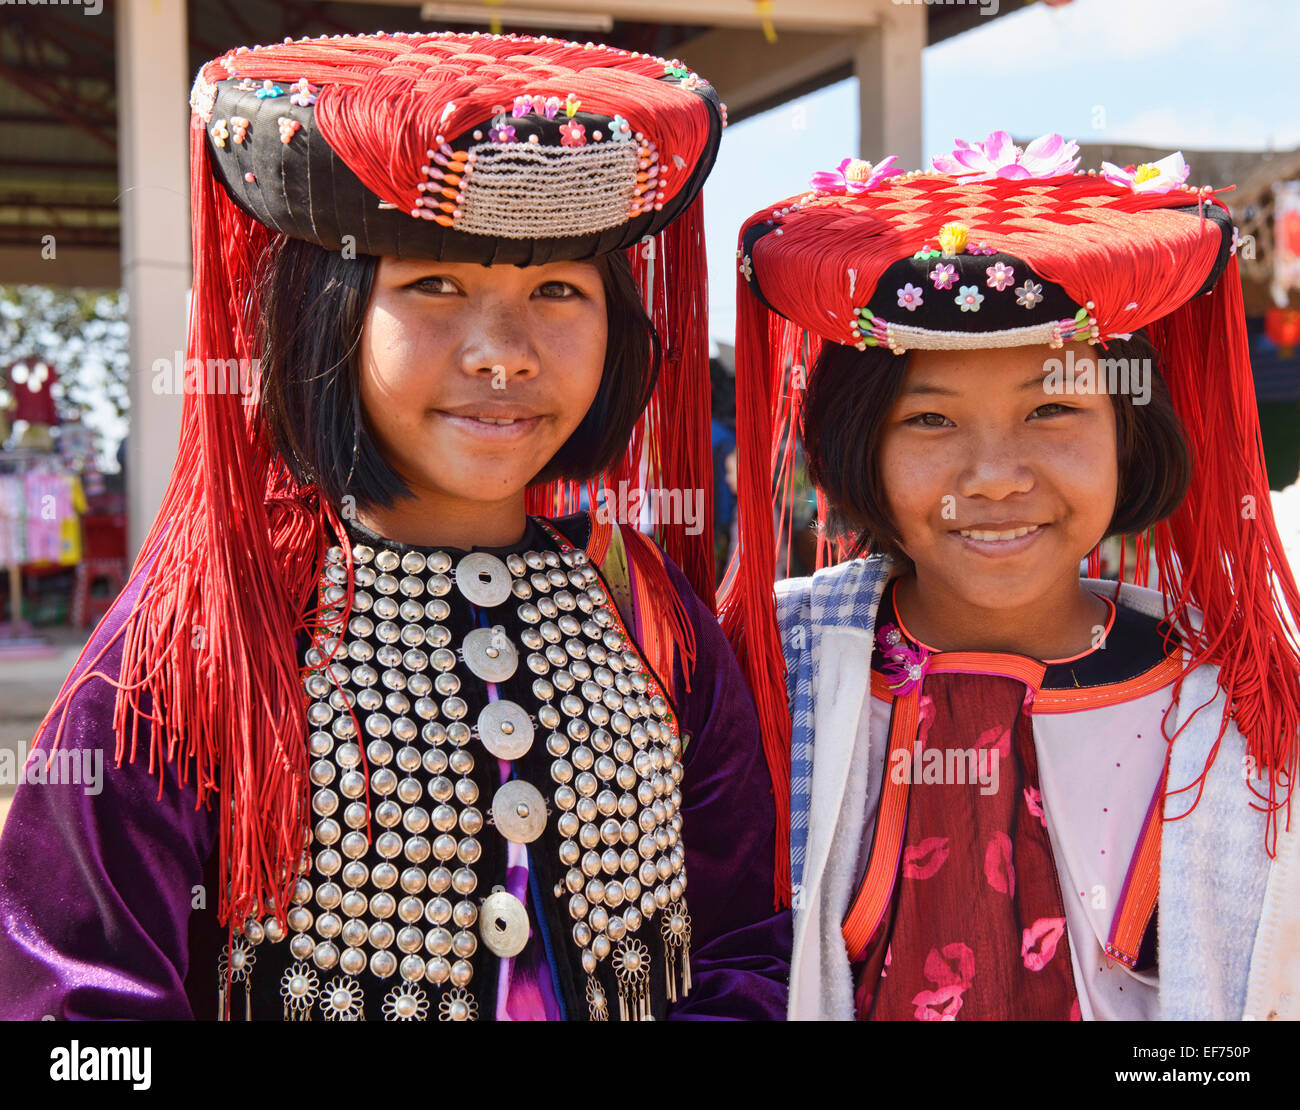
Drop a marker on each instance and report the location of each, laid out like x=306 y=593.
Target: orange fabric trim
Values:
x=1029 y=671
x=1163 y=674
x=1137 y=900
x=872 y=897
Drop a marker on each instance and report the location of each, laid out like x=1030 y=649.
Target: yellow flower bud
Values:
x=952 y=238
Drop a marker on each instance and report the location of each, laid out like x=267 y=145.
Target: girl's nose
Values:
x=498 y=346
x=995 y=470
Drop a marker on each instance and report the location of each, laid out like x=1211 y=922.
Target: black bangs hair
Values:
x=852 y=392
x=313 y=307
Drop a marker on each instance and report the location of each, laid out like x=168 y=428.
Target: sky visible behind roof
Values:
x=1174 y=74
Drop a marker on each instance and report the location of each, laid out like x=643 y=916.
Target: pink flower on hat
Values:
x=998 y=156
x=909 y=297
x=943 y=275
x=1000 y=275
x=1150 y=177
x=855 y=176
x=573 y=134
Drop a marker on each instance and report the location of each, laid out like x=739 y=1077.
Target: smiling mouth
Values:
x=996 y=537
x=491 y=427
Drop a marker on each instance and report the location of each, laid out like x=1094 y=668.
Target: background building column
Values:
x=153 y=171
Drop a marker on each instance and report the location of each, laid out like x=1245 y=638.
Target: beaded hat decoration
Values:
x=459 y=147
x=934 y=260
x=1000 y=246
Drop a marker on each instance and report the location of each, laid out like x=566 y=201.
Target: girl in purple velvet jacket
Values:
x=385 y=745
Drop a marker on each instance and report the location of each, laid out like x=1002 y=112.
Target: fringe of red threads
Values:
x=678 y=446
x=747 y=606
x=669 y=455
x=673 y=619
x=228 y=567
x=375 y=110
x=1221 y=552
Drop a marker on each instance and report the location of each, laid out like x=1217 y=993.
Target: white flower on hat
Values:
x=1150 y=177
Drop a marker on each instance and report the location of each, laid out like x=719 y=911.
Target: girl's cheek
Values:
x=913 y=485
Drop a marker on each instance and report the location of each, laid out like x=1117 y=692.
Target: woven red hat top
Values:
x=458 y=146
x=966 y=257
x=1000 y=246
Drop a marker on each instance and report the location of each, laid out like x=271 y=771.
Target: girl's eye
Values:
x=558 y=290
x=1057 y=409
x=436 y=285
x=927 y=420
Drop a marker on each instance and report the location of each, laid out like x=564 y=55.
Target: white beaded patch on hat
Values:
x=529 y=191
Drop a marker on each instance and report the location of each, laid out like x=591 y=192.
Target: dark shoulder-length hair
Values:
x=313 y=308
x=851 y=393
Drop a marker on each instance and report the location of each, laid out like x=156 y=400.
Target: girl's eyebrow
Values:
x=929 y=387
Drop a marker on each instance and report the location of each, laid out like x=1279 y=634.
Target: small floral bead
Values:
x=943 y=275
x=909 y=297
x=1000 y=276
x=1029 y=294
x=303 y=94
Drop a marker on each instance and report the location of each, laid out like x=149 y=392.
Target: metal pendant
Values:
x=483 y=579
x=519 y=811
x=505 y=730
x=490 y=655
x=503 y=924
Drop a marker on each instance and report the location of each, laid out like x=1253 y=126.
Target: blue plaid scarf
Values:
x=843 y=596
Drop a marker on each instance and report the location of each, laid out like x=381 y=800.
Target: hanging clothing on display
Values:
x=53 y=523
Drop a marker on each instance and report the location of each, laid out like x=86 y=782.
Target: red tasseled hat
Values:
x=995 y=247
x=462 y=147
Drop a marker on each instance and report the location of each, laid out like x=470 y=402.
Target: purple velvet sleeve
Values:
x=740 y=947
x=96 y=889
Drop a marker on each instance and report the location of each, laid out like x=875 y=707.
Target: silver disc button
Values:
x=483 y=579
x=490 y=655
x=505 y=730
x=503 y=924
x=519 y=811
